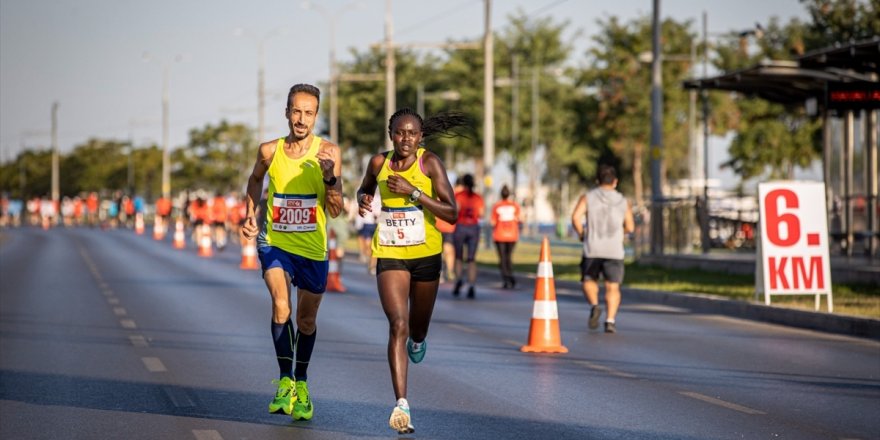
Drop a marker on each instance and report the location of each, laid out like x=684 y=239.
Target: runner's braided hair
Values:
x=441 y=123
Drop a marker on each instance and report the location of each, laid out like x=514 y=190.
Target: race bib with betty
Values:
x=294 y=212
x=401 y=226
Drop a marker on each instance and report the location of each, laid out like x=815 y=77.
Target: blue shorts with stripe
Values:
x=305 y=273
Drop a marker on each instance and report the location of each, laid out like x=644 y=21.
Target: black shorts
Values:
x=611 y=270
x=466 y=235
x=420 y=269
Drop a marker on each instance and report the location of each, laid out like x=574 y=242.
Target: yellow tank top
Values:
x=296 y=222
x=405 y=230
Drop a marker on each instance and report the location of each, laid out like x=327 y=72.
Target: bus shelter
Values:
x=839 y=84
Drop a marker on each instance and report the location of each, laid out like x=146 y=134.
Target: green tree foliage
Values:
x=28 y=176
x=841 y=21
x=618 y=82
x=218 y=158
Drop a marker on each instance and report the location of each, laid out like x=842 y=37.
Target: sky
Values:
x=89 y=55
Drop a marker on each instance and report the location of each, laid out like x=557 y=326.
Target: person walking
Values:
x=608 y=216
x=505 y=232
x=304 y=180
x=415 y=191
x=467 y=234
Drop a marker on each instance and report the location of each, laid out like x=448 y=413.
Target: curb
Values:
x=820 y=321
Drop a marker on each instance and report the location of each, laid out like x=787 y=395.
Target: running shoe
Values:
x=400 y=420
x=284 y=397
x=457 y=288
x=610 y=327
x=471 y=293
x=595 y=312
x=416 y=354
x=302 y=407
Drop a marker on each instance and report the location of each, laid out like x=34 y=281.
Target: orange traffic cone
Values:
x=206 y=247
x=139 y=224
x=334 y=279
x=544 y=331
x=159 y=229
x=179 y=235
x=249 y=254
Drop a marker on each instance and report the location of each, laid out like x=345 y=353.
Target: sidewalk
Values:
x=854 y=270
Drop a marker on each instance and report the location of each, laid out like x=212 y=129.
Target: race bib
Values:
x=401 y=226
x=506 y=213
x=294 y=213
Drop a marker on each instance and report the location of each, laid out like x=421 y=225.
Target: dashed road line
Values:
x=206 y=434
x=721 y=403
x=178 y=396
x=154 y=364
x=127 y=323
x=462 y=328
x=138 y=341
x=113 y=301
x=119 y=311
x=605 y=369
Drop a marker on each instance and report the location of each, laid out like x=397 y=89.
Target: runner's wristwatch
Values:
x=330 y=182
x=415 y=195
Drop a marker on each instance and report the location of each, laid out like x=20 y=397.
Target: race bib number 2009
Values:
x=294 y=213
x=401 y=226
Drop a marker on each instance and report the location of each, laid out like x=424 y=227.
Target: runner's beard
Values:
x=299 y=132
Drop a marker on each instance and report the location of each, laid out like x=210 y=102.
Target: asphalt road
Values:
x=111 y=335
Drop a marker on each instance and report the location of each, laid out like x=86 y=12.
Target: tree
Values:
x=617 y=85
x=218 y=158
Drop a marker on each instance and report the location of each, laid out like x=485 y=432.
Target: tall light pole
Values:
x=704 y=95
x=390 y=78
x=261 y=74
x=166 y=161
x=56 y=186
x=656 y=135
x=334 y=74
x=488 y=106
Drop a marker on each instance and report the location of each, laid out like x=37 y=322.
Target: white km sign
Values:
x=794 y=257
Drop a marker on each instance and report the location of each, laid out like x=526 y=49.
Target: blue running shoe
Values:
x=416 y=350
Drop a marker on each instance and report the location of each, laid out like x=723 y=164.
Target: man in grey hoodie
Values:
x=608 y=216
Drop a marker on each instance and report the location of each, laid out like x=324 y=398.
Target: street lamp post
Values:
x=656 y=136
x=166 y=161
x=334 y=74
x=56 y=186
x=261 y=74
x=704 y=95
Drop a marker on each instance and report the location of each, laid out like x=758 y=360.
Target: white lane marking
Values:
x=207 y=434
x=605 y=369
x=154 y=364
x=107 y=292
x=127 y=323
x=113 y=301
x=179 y=397
x=119 y=311
x=719 y=402
x=138 y=341
x=462 y=328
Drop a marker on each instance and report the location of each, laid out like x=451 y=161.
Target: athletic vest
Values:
x=405 y=230
x=296 y=221
x=505 y=214
x=606 y=209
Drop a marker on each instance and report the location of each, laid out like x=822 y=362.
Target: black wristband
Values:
x=330 y=182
